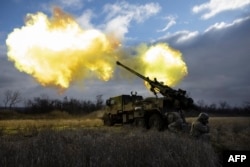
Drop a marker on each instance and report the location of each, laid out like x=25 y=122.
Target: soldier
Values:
x=200 y=128
x=175 y=121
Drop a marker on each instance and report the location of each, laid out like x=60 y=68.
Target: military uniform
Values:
x=175 y=121
x=200 y=128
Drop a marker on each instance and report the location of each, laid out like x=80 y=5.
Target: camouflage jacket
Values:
x=173 y=117
x=198 y=129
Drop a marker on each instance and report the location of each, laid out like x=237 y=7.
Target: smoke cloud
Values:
x=57 y=51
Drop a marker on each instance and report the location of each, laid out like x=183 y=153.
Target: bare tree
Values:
x=11 y=98
x=246 y=105
x=7 y=97
x=224 y=105
x=99 y=101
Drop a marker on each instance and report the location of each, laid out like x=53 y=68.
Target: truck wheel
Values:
x=139 y=122
x=155 y=122
x=107 y=120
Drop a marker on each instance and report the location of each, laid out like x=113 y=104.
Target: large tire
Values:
x=107 y=120
x=156 y=122
x=139 y=122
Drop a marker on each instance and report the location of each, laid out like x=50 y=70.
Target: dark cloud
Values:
x=218 y=62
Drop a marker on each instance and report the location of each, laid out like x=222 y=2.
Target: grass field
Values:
x=59 y=139
x=231 y=133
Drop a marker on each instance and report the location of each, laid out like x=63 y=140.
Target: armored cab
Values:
x=120 y=109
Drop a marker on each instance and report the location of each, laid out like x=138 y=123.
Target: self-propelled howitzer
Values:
x=151 y=112
x=165 y=90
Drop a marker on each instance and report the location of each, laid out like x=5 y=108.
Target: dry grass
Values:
x=57 y=120
x=115 y=146
x=229 y=133
x=65 y=140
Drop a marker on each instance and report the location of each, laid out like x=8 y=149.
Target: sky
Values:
x=212 y=35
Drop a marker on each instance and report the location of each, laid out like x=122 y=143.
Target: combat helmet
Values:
x=203 y=117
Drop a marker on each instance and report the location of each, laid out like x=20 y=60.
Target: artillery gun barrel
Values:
x=165 y=90
x=134 y=72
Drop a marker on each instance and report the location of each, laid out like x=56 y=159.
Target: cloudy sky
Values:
x=213 y=36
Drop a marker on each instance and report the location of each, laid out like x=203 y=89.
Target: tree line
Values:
x=43 y=104
x=223 y=108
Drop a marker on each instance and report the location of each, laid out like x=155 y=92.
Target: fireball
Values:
x=164 y=63
x=57 y=51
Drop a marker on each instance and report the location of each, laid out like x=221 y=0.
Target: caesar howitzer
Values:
x=151 y=112
x=164 y=90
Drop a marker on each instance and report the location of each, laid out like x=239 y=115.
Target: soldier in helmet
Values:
x=176 y=121
x=200 y=128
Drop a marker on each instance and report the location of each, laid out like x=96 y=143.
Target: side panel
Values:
x=115 y=106
x=122 y=108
